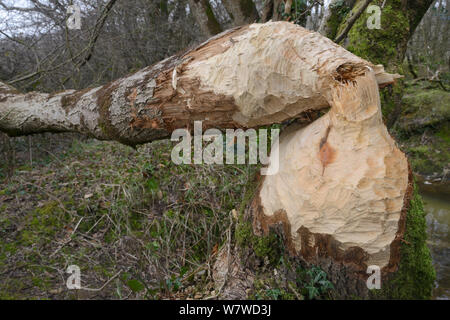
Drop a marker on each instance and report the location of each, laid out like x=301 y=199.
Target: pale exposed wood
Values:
x=246 y=77
x=384 y=78
x=342 y=175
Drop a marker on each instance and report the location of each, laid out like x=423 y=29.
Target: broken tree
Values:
x=344 y=191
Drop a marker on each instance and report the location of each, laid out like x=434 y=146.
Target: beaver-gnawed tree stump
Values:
x=343 y=192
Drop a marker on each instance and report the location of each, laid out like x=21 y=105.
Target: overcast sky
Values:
x=9 y=16
x=14 y=18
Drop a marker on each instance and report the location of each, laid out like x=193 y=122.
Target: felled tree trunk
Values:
x=246 y=77
x=343 y=188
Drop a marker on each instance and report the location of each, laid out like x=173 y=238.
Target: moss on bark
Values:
x=266 y=246
x=416 y=275
x=247 y=8
x=386 y=45
x=338 y=11
x=423 y=130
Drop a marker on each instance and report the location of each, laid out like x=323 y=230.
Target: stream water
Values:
x=437 y=207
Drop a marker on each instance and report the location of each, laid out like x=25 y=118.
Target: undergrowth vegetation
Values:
x=136 y=224
x=132 y=216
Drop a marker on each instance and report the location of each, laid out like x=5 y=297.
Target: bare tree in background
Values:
x=428 y=51
x=39 y=51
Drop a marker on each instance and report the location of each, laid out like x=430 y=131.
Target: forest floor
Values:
x=137 y=225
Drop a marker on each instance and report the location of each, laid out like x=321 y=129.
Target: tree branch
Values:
x=351 y=21
x=217 y=82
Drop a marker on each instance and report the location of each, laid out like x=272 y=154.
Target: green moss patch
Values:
x=416 y=275
x=265 y=246
x=385 y=45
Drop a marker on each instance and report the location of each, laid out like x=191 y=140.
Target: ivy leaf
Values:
x=135 y=285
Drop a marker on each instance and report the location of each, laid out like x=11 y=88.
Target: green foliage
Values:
x=444 y=133
x=269 y=289
x=44 y=223
x=314 y=282
x=135 y=285
x=173 y=284
x=270 y=246
x=274 y=293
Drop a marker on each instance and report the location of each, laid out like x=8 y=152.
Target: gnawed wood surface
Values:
x=245 y=77
x=342 y=186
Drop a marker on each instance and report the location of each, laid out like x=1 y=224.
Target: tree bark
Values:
x=351 y=20
x=241 y=11
x=267 y=11
x=271 y=10
x=204 y=15
x=287 y=6
x=276 y=14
